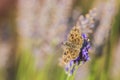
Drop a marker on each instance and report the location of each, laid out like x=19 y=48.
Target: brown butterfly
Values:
x=72 y=45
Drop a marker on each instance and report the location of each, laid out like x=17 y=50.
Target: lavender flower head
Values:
x=75 y=50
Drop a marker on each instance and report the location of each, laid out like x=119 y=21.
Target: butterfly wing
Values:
x=73 y=45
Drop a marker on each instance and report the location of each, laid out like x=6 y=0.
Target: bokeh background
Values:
x=32 y=31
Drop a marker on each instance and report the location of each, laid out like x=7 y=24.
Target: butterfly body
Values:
x=71 y=45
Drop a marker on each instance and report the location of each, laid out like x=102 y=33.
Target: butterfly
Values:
x=72 y=45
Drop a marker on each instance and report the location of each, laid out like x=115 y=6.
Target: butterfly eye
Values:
x=65 y=53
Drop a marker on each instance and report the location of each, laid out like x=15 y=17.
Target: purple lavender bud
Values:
x=84 y=36
x=66 y=69
x=72 y=71
x=84 y=50
x=71 y=63
x=88 y=46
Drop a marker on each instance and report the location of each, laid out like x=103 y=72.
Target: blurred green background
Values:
x=31 y=33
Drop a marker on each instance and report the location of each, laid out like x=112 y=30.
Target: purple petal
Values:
x=72 y=70
x=66 y=69
x=71 y=63
x=88 y=46
x=84 y=36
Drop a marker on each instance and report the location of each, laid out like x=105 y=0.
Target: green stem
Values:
x=73 y=76
x=68 y=77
